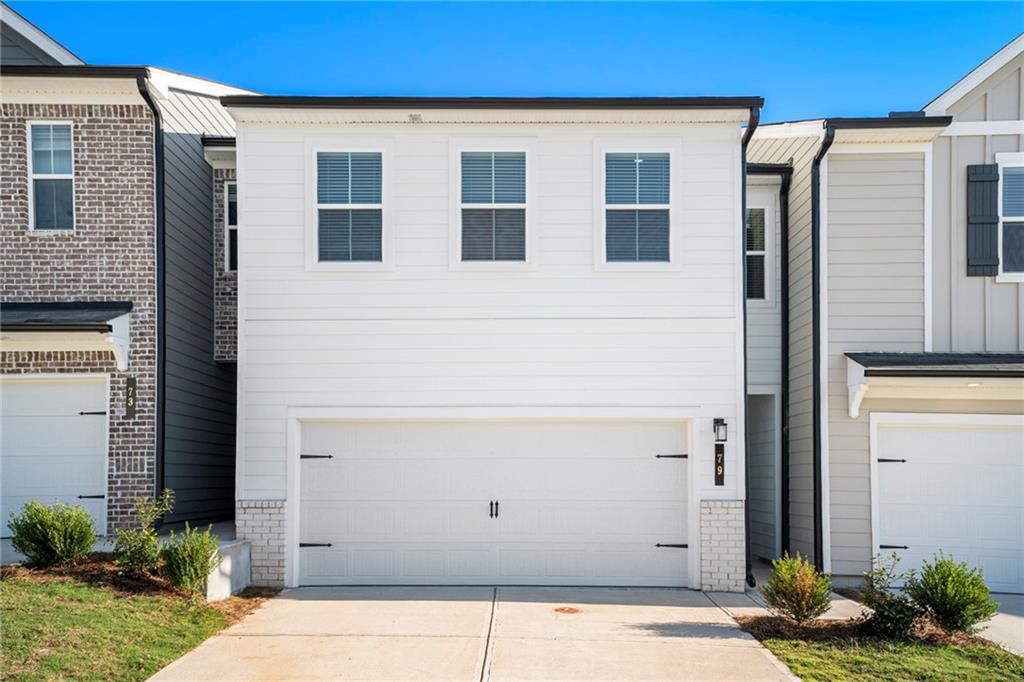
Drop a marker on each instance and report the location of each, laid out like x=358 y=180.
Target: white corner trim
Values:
x=928 y=230
x=826 y=515
x=952 y=95
x=38 y=37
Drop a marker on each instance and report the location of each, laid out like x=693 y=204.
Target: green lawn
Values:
x=870 y=659
x=65 y=629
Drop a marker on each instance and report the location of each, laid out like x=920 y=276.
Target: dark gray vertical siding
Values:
x=199 y=421
x=17 y=50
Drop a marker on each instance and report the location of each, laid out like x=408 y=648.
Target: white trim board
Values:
x=962 y=87
x=38 y=37
x=776 y=392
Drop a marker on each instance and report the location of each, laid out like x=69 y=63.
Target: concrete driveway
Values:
x=482 y=633
x=1007 y=628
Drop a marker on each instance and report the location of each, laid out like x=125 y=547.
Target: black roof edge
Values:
x=67 y=305
x=76 y=71
x=769 y=169
x=99 y=328
x=300 y=102
x=952 y=373
x=218 y=141
x=888 y=122
x=891 y=359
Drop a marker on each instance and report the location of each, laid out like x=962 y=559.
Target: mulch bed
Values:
x=99 y=569
x=847 y=632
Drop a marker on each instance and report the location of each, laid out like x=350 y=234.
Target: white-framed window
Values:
x=350 y=207
x=492 y=206
x=637 y=198
x=231 y=226
x=51 y=176
x=757 y=253
x=1011 y=217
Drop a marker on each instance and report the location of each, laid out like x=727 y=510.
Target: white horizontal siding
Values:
x=421 y=334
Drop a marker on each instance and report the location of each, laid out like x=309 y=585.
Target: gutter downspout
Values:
x=161 y=317
x=786 y=178
x=755 y=117
x=816 y=318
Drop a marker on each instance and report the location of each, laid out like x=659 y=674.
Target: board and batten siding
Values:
x=875 y=302
x=800 y=151
x=420 y=334
x=199 y=418
x=764 y=320
x=973 y=313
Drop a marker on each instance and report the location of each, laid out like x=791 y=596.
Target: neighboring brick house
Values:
x=110 y=383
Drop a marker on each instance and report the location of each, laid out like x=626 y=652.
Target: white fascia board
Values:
x=69 y=90
x=412 y=116
x=37 y=37
x=774 y=131
x=162 y=80
x=959 y=90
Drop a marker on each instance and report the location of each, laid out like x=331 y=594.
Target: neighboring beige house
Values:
x=904 y=424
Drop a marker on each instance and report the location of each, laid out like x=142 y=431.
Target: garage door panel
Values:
x=960 y=490
x=408 y=503
x=48 y=451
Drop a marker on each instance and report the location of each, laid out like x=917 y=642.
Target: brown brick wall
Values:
x=226 y=283
x=109 y=257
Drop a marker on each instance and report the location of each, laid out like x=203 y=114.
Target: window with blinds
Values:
x=636 y=201
x=493 y=206
x=1012 y=260
x=51 y=175
x=757 y=253
x=231 y=224
x=349 y=206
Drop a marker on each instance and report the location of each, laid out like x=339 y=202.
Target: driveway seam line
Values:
x=484 y=672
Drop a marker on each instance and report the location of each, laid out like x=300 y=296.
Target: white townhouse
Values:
x=491 y=341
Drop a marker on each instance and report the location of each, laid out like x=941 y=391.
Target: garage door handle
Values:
x=671 y=456
x=315 y=544
x=893 y=547
x=98 y=412
x=490 y=509
x=900 y=461
x=91 y=497
x=495 y=509
x=316 y=456
x=674 y=546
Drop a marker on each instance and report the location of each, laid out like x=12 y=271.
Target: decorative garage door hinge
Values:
x=315 y=544
x=316 y=456
x=893 y=547
x=91 y=497
x=883 y=459
x=671 y=456
x=675 y=546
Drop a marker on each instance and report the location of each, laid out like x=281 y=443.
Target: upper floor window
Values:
x=51 y=177
x=757 y=254
x=231 y=225
x=637 y=199
x=493 y=206
x=349 y=206
x=1012 y=219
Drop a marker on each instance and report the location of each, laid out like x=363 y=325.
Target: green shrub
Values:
x=136 y=549
x=189 y=557
x=49 y=536
x=893 y=614
x=796 y=590
x=953 y=595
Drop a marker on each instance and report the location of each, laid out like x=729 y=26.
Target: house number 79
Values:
x=719 y=463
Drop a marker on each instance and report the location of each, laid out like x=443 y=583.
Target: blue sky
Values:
x=806 y=59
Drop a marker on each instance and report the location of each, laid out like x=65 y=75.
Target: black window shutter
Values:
x=982 y=220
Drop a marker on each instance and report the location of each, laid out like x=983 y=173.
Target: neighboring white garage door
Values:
x=961 y=489
x=49 y=450
x=410 y=503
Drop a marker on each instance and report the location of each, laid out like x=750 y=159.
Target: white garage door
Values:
x=961 y=490
x=574 y=503
x=49 y=450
